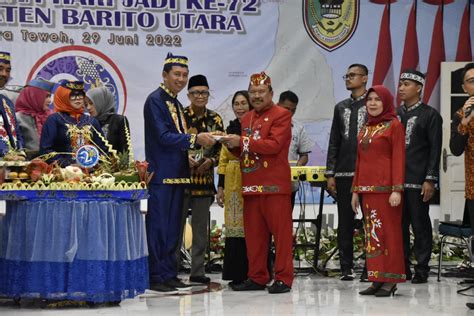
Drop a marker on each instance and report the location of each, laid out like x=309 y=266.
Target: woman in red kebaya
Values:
x=379 y=178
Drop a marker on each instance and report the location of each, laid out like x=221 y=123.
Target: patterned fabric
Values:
x=203 y=185
x=380 y=169
x=260 y=189
x=462 y=140
x=423 y=142
x=8 y=127
x=64 y=135
x=374 y=188
x=384 y=242
x=264 y=151
x=349 y=117
x=380 y=165
x=229 y=166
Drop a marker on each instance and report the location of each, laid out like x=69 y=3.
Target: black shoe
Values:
x=419 y=279
x=176 y=283
x=248 y=285
x=278 y=287
x=164 y=288
x=470 y=305
x=371 y=290
x=364 y=277
x=231 y=284
x=200 y=279
x=347 y=275
x=384 y=293
x=408 y=274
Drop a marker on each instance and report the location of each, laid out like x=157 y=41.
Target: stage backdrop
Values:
x=303 y=45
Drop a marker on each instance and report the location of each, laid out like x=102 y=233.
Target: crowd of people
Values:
x=382 y=160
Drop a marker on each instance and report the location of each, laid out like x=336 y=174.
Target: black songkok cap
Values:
x=197 y=80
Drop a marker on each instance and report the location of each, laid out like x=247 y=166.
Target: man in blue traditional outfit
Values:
x=166 y=149
x=10 y=135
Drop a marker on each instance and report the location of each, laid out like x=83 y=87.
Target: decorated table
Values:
x=81 y=238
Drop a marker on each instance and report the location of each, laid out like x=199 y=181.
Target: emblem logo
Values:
x=84 y=64
x=330 y=23
x=87 y=156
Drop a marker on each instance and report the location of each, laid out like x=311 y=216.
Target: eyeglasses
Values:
x=196 y=94
x=76 y=97
x=351 y=76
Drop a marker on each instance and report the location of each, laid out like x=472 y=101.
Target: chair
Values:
x=456 y=230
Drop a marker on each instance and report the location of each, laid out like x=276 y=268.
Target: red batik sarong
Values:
x=384 y=241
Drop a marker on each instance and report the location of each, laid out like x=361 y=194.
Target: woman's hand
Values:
x=395 y=199
x=355 y=202
x=220 y=196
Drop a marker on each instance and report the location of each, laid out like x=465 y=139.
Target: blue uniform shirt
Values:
x=166 y=141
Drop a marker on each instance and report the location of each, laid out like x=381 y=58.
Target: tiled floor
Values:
x=311 y=295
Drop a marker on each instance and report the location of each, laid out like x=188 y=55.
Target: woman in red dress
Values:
x=378 y=180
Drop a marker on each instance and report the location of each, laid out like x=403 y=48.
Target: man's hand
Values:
x=395 y=199
x=331 y=185
x=469 y=103
x=231 y=141
x=355 y=202
x=206 y=165
x=205 y=139
x=220 y=196
x=427 y=190
x=192 y=162
x=303 y=160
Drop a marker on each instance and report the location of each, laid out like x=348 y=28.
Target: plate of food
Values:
x=218 y=135
x=218 y=138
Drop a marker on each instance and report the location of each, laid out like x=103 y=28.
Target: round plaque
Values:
x=87 y=156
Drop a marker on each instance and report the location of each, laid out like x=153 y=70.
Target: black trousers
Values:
x=345 y=223
x=416 y=213
x=293 y=198
x=469 y=207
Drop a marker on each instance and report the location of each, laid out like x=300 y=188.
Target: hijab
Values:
x=104 y=102
x=388 y=112
x=31 y=102
x=63 y=104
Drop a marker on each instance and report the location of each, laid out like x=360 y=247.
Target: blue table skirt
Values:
x=80 y=250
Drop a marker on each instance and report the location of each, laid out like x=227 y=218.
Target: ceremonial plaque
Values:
x=87 y=156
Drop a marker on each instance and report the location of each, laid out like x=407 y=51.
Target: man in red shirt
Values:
x=266 y=187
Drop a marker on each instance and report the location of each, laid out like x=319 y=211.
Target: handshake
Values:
x=209 y=139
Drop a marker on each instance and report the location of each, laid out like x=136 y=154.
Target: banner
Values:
x=305 y=46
